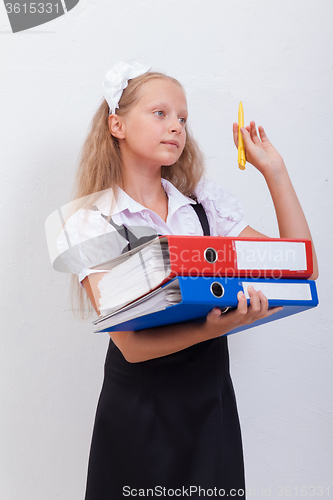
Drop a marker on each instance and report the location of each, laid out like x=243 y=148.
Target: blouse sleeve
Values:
x=224 y=211
x=87 y=240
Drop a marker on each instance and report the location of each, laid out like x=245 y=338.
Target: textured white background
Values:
x=275 y=56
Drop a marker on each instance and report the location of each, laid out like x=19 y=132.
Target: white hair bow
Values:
x=116 y=80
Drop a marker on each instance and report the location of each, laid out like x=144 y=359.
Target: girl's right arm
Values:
x=137 y=346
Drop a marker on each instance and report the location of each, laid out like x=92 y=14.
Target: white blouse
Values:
x=89 y=240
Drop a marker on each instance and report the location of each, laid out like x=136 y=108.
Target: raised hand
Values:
x=259 y=150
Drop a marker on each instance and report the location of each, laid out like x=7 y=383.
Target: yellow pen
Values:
x=241 y=150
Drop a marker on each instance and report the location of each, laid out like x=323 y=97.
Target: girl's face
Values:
x=154 y=130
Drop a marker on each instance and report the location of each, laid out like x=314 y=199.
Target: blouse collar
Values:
x=125 y=202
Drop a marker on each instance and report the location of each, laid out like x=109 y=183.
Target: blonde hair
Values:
x=99 y=166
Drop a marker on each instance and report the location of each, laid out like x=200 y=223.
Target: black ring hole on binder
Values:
x=210 y=255
x=217 y=289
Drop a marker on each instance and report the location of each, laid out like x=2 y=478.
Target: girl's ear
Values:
x=116 y=126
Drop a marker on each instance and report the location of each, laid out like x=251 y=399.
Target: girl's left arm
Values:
x=290 y=216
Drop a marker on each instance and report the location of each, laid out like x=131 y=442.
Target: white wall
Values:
x=275 y=56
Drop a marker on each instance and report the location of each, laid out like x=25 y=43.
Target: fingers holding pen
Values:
x=253 y=133
x=251 y=138
x=249 y=134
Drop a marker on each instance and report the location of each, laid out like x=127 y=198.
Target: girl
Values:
x=167 y=415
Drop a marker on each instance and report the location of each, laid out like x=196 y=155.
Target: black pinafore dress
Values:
x=168 y=426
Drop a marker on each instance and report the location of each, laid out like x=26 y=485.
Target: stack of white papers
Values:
x=157 y=300
x=138 y=275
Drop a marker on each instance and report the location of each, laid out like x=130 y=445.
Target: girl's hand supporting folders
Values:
x=243 y=314
x=142 y=345
x=163 y=340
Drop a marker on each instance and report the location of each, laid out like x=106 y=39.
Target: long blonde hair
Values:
x=99 y=166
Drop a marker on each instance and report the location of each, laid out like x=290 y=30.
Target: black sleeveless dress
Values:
x=167 y=427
